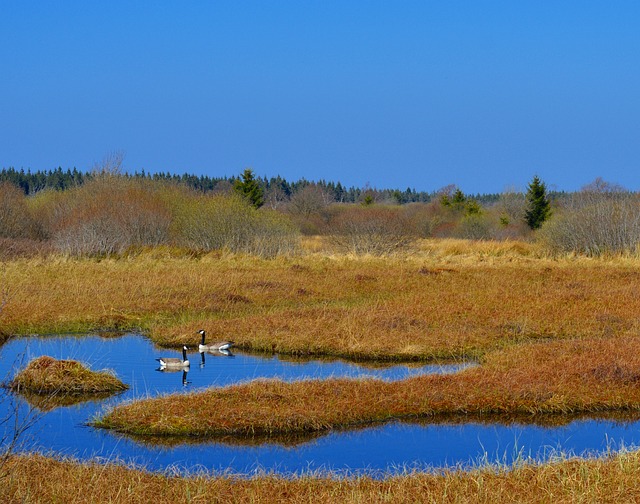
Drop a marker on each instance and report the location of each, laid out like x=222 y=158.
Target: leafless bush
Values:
x=596 y=223
x=309 y=200
x=227 y=222
x=273 y=234
x=474 y=227
x=308 y=209
x=15 y=219
x=275 y=198
x=423 y=218
x=109 y=215
x=373 y=230
x=512 y=206
x=110 y=165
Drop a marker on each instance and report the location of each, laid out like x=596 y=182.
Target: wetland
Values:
x=337 y=366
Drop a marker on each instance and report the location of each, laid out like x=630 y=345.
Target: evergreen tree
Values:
x=249 y=188
x=538 y=206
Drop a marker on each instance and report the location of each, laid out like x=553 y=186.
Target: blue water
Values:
x=391 y=447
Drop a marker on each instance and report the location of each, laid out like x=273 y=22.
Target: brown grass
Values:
x=558 y=378
x=48 y=376
x=424 y=306
x=555 y=337
x=609 y=479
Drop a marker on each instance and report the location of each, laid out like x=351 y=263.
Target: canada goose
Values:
x=174 y=362
x=213 y=347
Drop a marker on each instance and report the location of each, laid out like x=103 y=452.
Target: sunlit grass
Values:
x=554 y=336
x=48 y=376
x=418 y=307
x=611 y=478
x=544 y=378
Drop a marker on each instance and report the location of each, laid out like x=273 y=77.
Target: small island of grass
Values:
x=532 y=382
x=48 y=376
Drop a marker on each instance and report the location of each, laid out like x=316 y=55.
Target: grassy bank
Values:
x=46 y=376
x=610 y=479
x=545 y=378
x=448 y=299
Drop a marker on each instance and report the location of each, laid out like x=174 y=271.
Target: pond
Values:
x=380 y=449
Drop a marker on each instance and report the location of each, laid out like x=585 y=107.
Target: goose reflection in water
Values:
x=214 y=353
x=175 y=370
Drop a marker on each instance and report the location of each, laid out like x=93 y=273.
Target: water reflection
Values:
x=46 y=403
x=431 y=442
x=214 y=353
x=184 y=371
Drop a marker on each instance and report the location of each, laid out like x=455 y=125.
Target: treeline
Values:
x=276 y=189
x=105 y=212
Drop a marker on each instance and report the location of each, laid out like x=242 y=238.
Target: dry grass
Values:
x=610 y=479
x=424 y=306
x=557 y=378
x=48 y=376
x=555 y=337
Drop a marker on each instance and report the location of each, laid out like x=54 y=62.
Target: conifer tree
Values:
x=249 y=188
x=538 y=206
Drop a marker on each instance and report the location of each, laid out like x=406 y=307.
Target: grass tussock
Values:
x=48 y=376
x=424 y=306
x=554 y=378
x=608 y=479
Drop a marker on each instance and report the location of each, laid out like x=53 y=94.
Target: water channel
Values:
x=380 y=449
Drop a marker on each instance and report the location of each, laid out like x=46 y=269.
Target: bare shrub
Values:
x=227 y=222
x=596 y=223
x=48 y=207
x=13 y=248
x=273 y=234
x=275 y=197
x=474 y=227
x=15 y=219
x=423 y=218
x=309 y=200
x=107 y=216
x=373 y=230
x=110 y=165
x=308 y=208
x=512 y=206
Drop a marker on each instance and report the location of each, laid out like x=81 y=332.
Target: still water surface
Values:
x=379 y=449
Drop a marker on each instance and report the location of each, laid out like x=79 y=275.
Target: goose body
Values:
x=220 y=346
x=175 y=362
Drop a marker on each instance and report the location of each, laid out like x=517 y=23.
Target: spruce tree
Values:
x=538 y=206
x=249 y=188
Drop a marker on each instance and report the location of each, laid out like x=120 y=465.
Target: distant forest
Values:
x=59 y=179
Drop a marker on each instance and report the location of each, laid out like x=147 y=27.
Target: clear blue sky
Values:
x=482 y=94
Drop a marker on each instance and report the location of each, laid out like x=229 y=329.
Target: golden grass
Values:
x=611 y=479
x=48 y=376
x=558 y=377
x=555 y=336
x=419 y=307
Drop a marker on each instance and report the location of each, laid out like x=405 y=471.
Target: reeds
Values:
x=609 y=479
